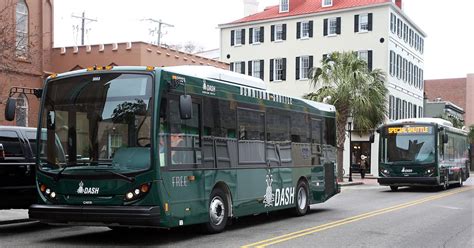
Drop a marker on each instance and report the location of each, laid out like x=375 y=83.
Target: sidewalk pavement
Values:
x=13 y=214
x=356 y=180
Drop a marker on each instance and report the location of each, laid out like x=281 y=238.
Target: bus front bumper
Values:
x=147 y=216
x=408 y=181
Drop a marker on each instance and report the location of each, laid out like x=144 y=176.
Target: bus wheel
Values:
x=218 y=211
x=301 y=199
x=394 y=188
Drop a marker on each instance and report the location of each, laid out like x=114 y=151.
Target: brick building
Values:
x=27 y=55
x=459 y=91
x=26 y=40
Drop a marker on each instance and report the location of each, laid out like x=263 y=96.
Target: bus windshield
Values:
x=102 y=120
x=408 y=144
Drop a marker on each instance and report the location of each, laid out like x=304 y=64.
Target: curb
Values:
x=344 y=184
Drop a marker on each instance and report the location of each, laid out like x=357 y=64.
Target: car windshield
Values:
x=408 y=144
x=101 y=120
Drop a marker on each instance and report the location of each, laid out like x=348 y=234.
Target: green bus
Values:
x=166 y=147
x=422 y=152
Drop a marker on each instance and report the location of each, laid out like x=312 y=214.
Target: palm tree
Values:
x=355 y=91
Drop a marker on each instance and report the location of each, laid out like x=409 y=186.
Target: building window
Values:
x=238 y=67
x=303 y=65
x=327 y=3
x=22 y=111
x=278 y=69
x=256 y=35
x=363 y=22
x=237 y=37
x=392 y=63
x=284 y=5
x=304 y=29
x=399 y=66
x=405 y=32
x=279 y=32
x=393 y=22
x=399 y=28
x=411 y=37
x=391 y=104
x=256 y=68
x=332 y=26
x=21 y=29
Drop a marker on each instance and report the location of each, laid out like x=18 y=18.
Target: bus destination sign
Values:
x=409 y=130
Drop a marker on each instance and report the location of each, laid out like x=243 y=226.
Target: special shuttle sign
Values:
x=409 y=130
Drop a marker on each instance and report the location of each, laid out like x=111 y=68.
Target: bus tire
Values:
x=301 y=199
x=394 y=188
x=218 y=210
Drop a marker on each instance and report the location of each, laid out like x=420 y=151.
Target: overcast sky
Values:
x=449 y=47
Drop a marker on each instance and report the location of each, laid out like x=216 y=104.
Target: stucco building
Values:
x=281 y=43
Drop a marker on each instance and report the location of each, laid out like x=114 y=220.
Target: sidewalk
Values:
x=356 y=180
x=13 y=214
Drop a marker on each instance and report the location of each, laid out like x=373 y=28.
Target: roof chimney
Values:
x=250 y=7
x=399 y=3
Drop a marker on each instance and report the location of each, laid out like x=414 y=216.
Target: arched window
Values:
x=21 y=29
x=22 y=111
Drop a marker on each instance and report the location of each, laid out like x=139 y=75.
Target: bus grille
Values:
x=329 y=179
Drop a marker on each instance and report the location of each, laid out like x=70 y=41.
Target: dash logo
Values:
x=87 y=190
x=208 y=89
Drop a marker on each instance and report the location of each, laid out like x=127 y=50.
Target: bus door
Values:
x=318 y=172
x=185 y=180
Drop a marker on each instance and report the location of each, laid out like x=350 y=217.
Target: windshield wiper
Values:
x=130 y=179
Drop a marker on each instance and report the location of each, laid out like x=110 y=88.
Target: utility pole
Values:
x=160 y=23
x=83 y=26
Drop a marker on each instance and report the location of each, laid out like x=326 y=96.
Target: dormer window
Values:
x=284 y=5
x=327 y=3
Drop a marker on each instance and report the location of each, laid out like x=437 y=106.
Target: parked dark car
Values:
x=17 y=166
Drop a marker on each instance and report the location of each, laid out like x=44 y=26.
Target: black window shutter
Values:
x=284 y=32
x=261 y=69
x=273 y=33
x=250 y=68
x=297 y=68
x=325 y=27
x=250 y=35
x=242 y=67
x=356 y=23
x=284 y=70
x=243 y=36
x=261 y=34
x=370 y=60
x=298 y=30
x=310 y=28
x=310 y=63
x=271 y=70
x=338 y=29
x=232 y=37
x=370 y=21
x=232 y=66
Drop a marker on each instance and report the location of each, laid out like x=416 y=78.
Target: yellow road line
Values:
x=319 y=228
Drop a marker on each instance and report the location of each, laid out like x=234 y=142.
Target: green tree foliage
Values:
x=344 y=81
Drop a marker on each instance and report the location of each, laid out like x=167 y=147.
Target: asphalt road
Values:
x=361 y=216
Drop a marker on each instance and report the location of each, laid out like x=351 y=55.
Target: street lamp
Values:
x=349 y=128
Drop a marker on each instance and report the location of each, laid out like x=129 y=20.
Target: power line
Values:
x=83 y=21
x=160 y=23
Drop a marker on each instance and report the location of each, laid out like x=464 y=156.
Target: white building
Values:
x=282 y=42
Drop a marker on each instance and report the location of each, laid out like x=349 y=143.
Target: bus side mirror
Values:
x=372 y=138
x=185 y=107
x=2 y=152
x=445 y=138
x=10 y=109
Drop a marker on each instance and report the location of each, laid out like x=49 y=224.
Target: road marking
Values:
x=348 y=220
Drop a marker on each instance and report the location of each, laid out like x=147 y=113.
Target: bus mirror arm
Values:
x=445 y=138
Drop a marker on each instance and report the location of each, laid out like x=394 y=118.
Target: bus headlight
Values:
x=138 y=192
x=47 y=192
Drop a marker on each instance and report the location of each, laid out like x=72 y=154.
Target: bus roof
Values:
x=238 y=79
x=438 y=121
